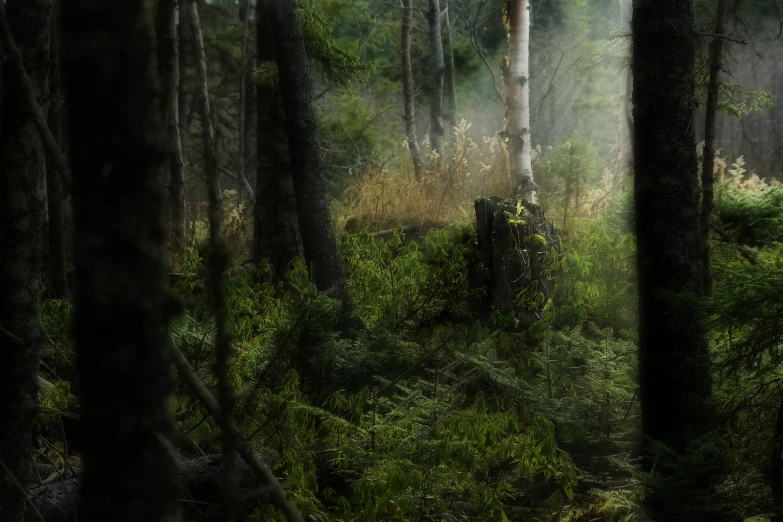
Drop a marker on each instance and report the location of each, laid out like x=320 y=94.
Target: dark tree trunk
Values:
x=408 y=89
x=437 y=68
x=510 y=250
x=57 y=268
x=22 y=207
x=122 y=306
x=168 y=73
x=450 y=72
x=184 y=35
x=276 y=226
x=205 y=114
x=674 y=373
x=776 y=467
x=315 y=223
x=707 y=176
x=249 y=147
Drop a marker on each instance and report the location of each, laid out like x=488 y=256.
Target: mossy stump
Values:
x=513 y=240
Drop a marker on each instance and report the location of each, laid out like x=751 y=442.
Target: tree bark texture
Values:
x=315 y=223
x=674 y=374
x=205 y=114
x=184 y=36
x=57 y=269
x=509 y=249
x=168 y=73
x=450 y=72
x=518 y=88
x=122 y=306
x=276 y=223
x=437 y=70
x=408 y=89
x=22 y=207
x=707 y=175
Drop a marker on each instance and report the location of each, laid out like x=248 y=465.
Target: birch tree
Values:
x=518 y=88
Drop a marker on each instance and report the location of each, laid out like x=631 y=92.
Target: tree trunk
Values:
x=244 y=66
x=511 y=250
x=276 y=226
x=57 y=268
x=776 y=466
x=22 y=207
x=437 y=68
x=408 y=89
x=450 y=73
x=624 y=146
x=168 y=73
x=205 y=114
x=249 y=134
x=674 y=372
x=184 y=34
x=122 y=307
x=707 y=176
x=315 y=223
x=518 y=88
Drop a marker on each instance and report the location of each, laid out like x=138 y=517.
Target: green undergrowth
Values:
x=440 y=411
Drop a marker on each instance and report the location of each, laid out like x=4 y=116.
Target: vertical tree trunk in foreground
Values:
x=408 y=89
x=202 y=101
x=122 y=307
x=58 y=280
x=315 y=223
x=707 y=176
x=674 y=373
x=518 y=87
x=437 y=68
x=168 y=72
x=22 y=206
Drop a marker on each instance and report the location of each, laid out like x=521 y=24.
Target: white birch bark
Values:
x=518 y=87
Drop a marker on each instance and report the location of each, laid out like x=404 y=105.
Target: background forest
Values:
x=254 y=260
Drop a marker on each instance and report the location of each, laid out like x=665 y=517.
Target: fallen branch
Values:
x=49 y=143
x=276 y=492
x=742 y=249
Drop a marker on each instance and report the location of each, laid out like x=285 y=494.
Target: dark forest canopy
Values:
x=369 y=260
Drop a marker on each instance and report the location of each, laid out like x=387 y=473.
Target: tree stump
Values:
x=513 y=240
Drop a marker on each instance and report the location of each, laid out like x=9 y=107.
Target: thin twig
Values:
x=724 y=37
x=14 y=339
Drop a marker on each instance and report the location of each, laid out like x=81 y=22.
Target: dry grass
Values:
x=468 y=169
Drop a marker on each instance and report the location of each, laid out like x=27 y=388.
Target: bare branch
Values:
x=276 y=492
